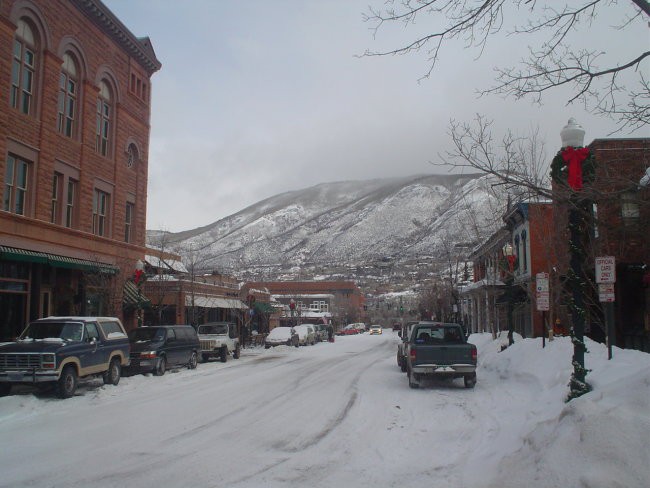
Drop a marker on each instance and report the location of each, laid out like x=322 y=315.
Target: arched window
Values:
x=104 y=120
x=68 y=94
x=132 y=156
x=23 y=69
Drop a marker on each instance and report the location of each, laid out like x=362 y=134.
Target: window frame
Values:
x=67 y=119
x=22 y=97
x=104 y=119
x=10 y=192
x=101 y=212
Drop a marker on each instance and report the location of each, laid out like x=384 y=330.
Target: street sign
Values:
x=606 y=292
x=542 y=292
x=605 y=269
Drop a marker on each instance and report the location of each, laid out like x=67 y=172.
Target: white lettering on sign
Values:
x=605 y=269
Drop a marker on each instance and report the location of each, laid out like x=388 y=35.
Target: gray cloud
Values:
x=257 y=98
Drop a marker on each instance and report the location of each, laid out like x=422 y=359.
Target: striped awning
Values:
x=55 y=260
x=132 y=296
x=214 y=302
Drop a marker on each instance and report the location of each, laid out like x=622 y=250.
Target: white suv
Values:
x=219 y=339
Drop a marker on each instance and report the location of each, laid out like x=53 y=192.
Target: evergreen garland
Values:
x=560 y=170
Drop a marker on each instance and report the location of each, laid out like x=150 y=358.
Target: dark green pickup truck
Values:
x=436 y=349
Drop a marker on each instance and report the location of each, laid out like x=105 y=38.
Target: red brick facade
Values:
x=72 y=47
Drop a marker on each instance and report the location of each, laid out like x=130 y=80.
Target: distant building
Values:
x=74 y=138
x=340 y=302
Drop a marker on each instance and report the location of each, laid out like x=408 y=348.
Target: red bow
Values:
x=138 y=275
x=574 y=158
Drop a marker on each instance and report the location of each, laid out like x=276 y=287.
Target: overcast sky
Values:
x=260 y=97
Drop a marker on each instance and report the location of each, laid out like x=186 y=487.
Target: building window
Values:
x=131 y=156
x=630 y=207
x=55 y=206
x=23 y=69
x=100 y=213
x=104 y=116
x=70 y=204
x=67 y=96
x=16 y=185
x=128 y=222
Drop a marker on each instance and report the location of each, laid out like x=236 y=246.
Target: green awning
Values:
x=15 y=254
x=132 y=296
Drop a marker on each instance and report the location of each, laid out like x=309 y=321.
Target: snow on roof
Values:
x=172 y=264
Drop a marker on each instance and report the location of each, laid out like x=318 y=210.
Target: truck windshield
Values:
x=213 y=329
x=53 y=330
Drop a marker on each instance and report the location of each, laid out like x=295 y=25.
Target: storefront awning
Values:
x=55 y=260
x=132 y=297
x=214 y=302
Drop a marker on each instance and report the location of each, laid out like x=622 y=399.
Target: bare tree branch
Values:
x=552 y=64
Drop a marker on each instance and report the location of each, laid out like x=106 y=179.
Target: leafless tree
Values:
x=553 y=63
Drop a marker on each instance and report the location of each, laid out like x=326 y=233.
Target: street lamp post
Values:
x=509 y=254
x=138 y=278
x=292 y=307
x=574 y=154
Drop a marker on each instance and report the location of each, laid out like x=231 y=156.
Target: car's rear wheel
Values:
x=5 y=389
x=470 y=380
x=67 y=384
x=403 y=365
x=113 y=373
x=161 y=367
x=412 y=384
x=194 y=359
x=224 y=354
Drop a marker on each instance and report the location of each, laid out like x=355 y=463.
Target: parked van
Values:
x=157 y=348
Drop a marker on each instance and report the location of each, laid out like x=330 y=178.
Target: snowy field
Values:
x=342 y=415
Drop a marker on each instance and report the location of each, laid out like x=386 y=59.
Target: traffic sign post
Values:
x=606 y=277
x=542 y=299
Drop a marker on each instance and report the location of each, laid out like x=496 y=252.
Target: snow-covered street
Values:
x=342 y=415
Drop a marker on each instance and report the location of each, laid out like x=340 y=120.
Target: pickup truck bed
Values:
x=436 y=349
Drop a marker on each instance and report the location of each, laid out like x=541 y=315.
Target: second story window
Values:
x=70 y=204
x=23 y=69
x=128 y=222
x=55 y=207
x=67 y=105
x=100 y=213
x=16 y=186
x=104 y=120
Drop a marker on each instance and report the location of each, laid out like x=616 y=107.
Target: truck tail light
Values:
x=148 y=355
x=412 y=354
x=474 y=353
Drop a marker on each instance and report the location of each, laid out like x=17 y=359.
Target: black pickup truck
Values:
x=436 y=349
x=59 y=350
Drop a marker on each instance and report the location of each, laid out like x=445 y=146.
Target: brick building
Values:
x=620 y=227
x=74 y=138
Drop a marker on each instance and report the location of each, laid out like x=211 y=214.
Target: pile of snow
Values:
x=598 y=440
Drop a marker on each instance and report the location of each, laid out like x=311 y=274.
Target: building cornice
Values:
x=140 y=49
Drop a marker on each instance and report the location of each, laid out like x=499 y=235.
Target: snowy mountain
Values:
x=343 y=224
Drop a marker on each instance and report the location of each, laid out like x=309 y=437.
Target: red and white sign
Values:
x=542 y=292
x=606 y=292
x=605 y=269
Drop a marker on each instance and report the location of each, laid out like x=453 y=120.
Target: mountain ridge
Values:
x=344 y=223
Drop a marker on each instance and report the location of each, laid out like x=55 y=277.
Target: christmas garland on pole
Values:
x=573 y=167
